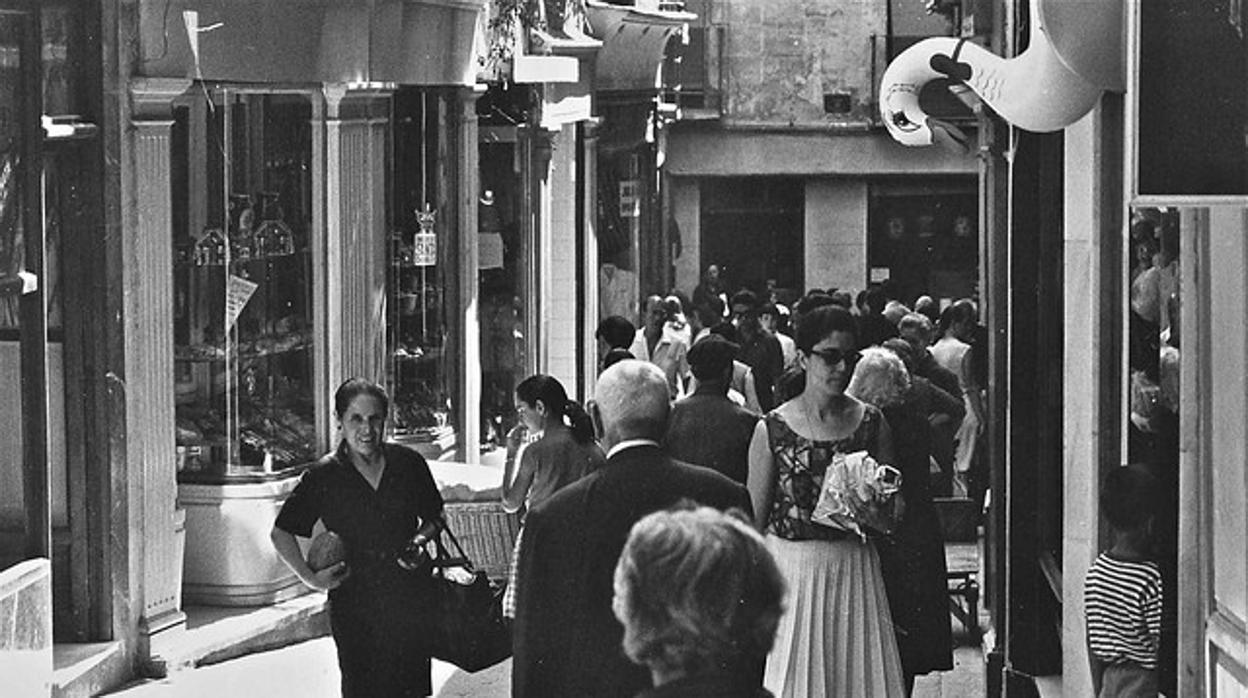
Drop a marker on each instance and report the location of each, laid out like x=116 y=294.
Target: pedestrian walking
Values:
x=664 y=349
x=706 y=427
x=564 y=452
x=835 y=638
x=699 y=597
x=567 y=642
x=912 y=559
x=380 y=499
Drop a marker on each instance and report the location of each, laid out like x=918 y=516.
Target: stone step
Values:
x=216 y=634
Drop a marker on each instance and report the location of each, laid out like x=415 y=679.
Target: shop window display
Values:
x=243 y=282
x=419 y=283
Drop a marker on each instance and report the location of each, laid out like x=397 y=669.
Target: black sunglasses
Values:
x=833 y=356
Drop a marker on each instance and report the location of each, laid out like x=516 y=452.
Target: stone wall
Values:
x=782 y=56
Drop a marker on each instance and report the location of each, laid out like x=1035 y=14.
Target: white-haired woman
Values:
x=699 y=597
x=912 y=560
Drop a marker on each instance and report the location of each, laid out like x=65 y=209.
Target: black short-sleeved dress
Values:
x=376 y=613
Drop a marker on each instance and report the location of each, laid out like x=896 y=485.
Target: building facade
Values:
x=778 y=172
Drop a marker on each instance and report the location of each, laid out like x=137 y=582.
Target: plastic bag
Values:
x=859 y=494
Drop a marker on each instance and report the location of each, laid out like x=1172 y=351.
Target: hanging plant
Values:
x=511 y=19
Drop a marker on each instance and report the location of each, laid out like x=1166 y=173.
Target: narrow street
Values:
x=310 y=670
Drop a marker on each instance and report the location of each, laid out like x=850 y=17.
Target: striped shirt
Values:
x=1122 y=605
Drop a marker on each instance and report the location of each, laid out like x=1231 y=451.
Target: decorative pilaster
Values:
x=356 y=122
x=148 y=274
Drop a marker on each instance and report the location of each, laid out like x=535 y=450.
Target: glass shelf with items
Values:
x=245 y=346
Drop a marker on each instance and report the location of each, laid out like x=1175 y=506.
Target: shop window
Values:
x=1152 y=375
x=1192 y=99
x=925 y=242
x=752 y=227
x=503 y=284
x=245 y=349
x=422 y=277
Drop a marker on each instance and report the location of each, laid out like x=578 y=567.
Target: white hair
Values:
x=880 y=378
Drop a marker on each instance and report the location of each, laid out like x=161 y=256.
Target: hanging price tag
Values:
x=425 y=250
x=237 y=293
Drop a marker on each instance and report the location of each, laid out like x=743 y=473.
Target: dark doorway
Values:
x=752 y=228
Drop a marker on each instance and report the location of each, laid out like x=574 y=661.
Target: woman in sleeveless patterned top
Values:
x=836 y=636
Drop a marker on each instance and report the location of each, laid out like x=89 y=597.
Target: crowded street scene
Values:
x=624 y=348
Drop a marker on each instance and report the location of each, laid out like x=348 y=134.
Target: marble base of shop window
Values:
x=230 y=560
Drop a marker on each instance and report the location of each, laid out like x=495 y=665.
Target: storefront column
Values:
x=589 y=257
x=558 y=249
x=467 y=342
x=148 y=312
x=356 y=233
x=543 y=146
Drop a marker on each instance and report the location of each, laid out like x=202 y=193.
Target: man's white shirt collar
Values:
x=631 y=443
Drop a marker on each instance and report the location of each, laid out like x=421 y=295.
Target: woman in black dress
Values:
x=912 y=560
x=379 y=498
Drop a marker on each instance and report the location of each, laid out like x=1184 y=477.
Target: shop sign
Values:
x=425 y=250
x=425 y=242
x=630 y=200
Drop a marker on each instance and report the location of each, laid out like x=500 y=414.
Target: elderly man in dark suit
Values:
x=567 y=641
x=706 y=428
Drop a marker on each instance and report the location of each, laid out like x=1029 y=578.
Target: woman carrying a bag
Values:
x=835 y=637
x=379 y=498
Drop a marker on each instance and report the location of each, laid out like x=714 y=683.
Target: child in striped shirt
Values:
x=1122 y=590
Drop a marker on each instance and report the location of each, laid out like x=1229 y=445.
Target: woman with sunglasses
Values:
x=835 y=637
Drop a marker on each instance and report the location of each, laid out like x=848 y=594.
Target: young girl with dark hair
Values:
x=564 y=452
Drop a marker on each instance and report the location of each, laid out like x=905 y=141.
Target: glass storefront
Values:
x=243 y=282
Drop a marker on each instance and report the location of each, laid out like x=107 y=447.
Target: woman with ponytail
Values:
x=563 y=453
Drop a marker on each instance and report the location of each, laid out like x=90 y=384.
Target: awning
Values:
x=633 y=43
x=410 y=42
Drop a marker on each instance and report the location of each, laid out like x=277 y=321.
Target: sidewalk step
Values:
x=213 y=634
x=86 y=669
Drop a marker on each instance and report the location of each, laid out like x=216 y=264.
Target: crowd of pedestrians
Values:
x=667 y=545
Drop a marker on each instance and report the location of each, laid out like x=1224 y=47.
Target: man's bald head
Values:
x=632 y=402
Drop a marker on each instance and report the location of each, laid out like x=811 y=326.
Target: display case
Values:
x=245 y=349
x=420 y=280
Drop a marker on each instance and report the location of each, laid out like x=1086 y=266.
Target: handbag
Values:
x=467 y=624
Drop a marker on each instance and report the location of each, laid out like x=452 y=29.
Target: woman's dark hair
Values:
x=352 y=388
x=821 y=322
x=550 y=391
x=962 y=312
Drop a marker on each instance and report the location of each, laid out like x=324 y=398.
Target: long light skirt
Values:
x=835 y=637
